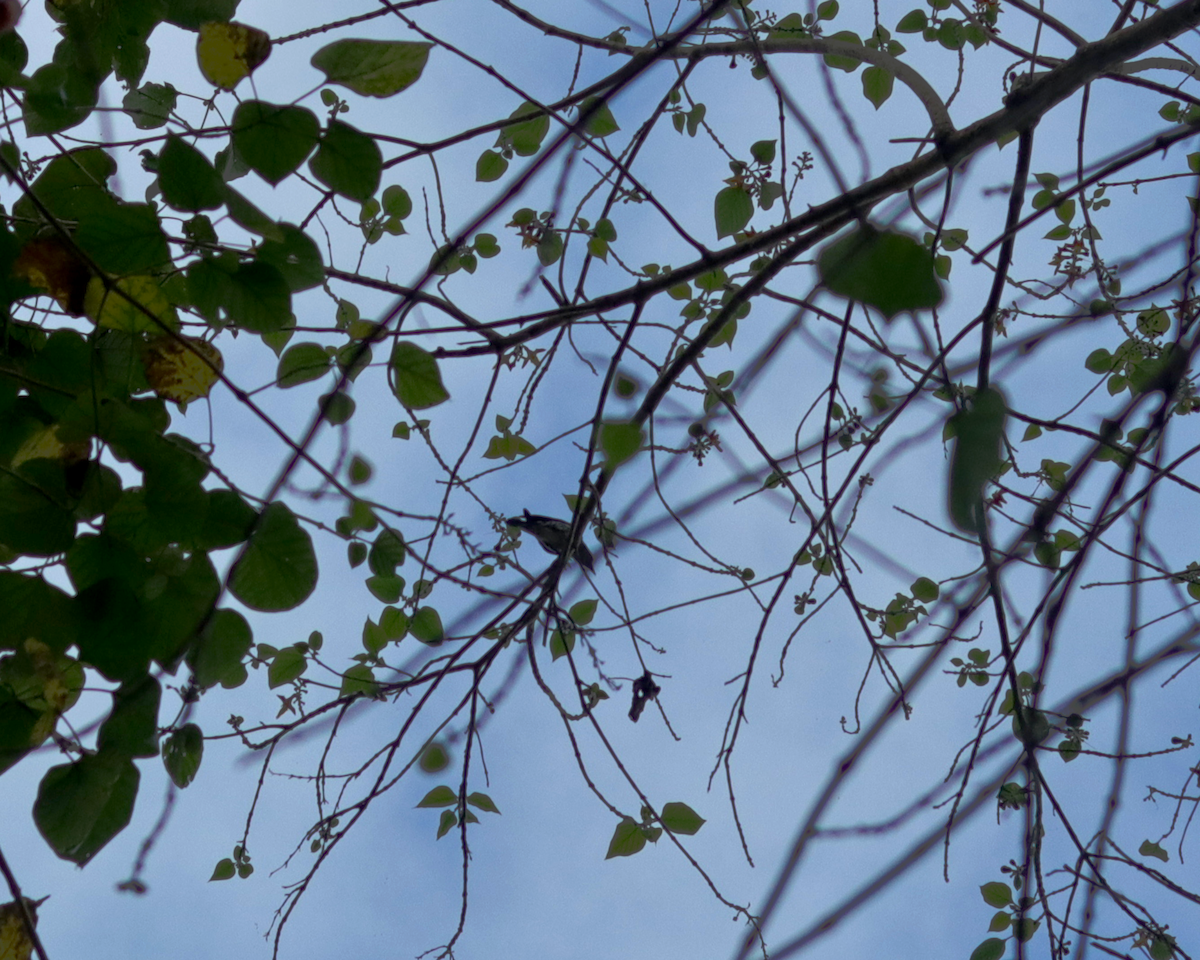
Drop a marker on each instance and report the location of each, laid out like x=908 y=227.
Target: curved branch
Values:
x=939 y=116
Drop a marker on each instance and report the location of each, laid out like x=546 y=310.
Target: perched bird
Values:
x=552 y=534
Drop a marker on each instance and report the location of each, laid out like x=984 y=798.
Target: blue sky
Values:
x=539 y=883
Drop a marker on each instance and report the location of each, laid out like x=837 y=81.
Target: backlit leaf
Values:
x=976 y=459
x=627 y=839
x=348 y=162
x=416 y=380
x=732 y=210
x=181 y=369
x=891 y=271
x=619 y=441
x=187 y=178
x=373 y=68
x=182 y=752
x=680 y=818
x=274 y=140
x=82 y=805
x=230 y=52
x=279 y=568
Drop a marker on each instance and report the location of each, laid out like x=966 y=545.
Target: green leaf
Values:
x=227 y=521
x=224 y=870
x=619 y=441
x=1153 y=322
x=359 y=679
x=996 y=894
x=373 y=68
x=486 y=245
x=373 y=637
x=732 y=209
x=1034 y=730
x=274 y=140
x=627 y=839
x=849 y=64
x=912 y=22
x=951 y=34
x=57 y=97
x=583 y=612
x=220 y=651
x=763 y=151
x=187 y=178
x=394 y=623
x=339 y=408
x=247 y=215
x=386 y=588
x=1162 y=947
x=601 y=123
x=976 y=457
x=182 y=752
x=426 y=626
x=14 y=56
x=287 y=665
x=254 y=296
x=296 y=256
x=1024 y=928
x=82 y=805
x=925 y=590
x=891 y=271
x=150 y=105
x=1151 y=849
x=301 y=363
x=561 y=643
x=416 y=380
x=525 y=136
x=387 y=553
x=1099 y=361
x=279 y=568
x=991 y=949
x=132 y=727
x=483 y=802
x=877 y=85
x=490 y=166
x=124 y=238
x=441 y=796
x=789 y=27
x=550 y=248
x=434 y=758
x=446 y=822
x=680 y=818
x=348 y=162
x=34 y=519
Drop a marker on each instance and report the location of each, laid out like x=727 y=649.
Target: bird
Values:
x=552 y=534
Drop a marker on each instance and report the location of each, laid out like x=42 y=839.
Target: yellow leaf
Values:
x=44 y=445
x=14 y=940
x=230 y=52
x=143 y=301
x=181 y=369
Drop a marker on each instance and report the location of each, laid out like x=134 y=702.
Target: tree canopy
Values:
x=856 y=344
